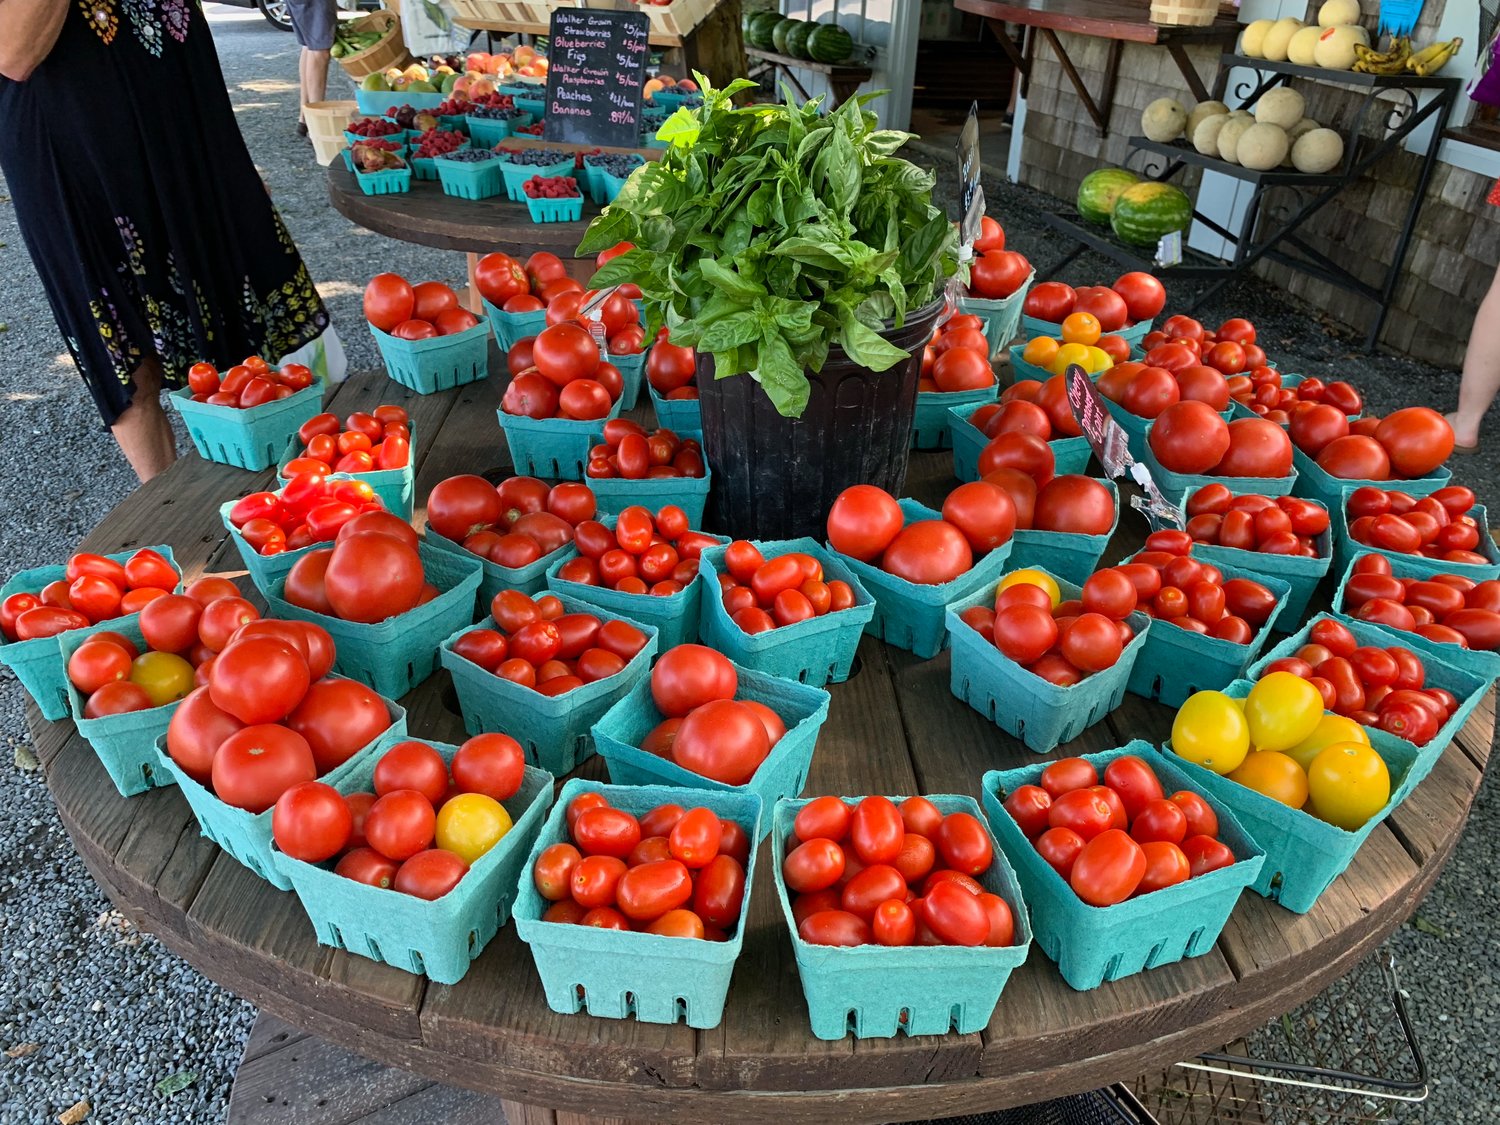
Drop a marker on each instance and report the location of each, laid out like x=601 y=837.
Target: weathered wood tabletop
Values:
x=892 y=728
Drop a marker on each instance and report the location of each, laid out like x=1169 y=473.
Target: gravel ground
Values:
x=91 y=1010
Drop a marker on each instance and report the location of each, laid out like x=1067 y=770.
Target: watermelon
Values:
x=796 y=39
x=1146 y=211
x=829 y=43
x=780 y=32
x=760 y=28
x=1100 y=188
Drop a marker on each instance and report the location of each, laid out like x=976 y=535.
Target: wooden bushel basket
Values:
x=1184 y=13
x=390 y=51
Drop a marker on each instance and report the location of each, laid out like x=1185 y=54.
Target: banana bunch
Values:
x=1432 y=58
x=1393 y=60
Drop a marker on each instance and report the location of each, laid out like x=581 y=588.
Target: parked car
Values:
x=276 y=13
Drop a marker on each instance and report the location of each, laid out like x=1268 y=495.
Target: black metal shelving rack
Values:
x=1272 y=232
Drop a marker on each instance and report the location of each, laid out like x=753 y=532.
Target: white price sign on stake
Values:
x=592 y=315
x=970 y=193
x=1111 y=445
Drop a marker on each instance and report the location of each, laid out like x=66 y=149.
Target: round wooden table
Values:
x=892 y=728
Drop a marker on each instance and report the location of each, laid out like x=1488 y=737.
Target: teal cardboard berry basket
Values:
x=1070 y=454
x=552 y=730
x=1468 y=687
x=395 y=487
x=390 y=181
x=348 y=154
x=1177 y=487
x=632 y=370
x=437 y=364
x=929 y=428
x=676 y=413
x=516 y=175
x=1041 y=714
x=1481 y=662
x=1133 y=334
x=512 y=326
x=911 y=615
x=246 y=835
x=555 y=448
x=470 y=180
x=555 y=210
x=1304 y=855
x=619 y=974
x=618 y=736
x=1001 y=316
x=1315 y=483
x=1346 y=549
x=486 y=132
x=1024 y=372
x=817 y=651
x=426 y=167
x=610 y=186
x=399 y=137
x=1177 y=662
x=1091 y=944
x=250 y=438
x=532 y=105
x=395 y=655
x=529 y=579
x=615 y=494
x=1067 y=554
x=39 y=663
x=1302 y=574
x=878 y=992
x=438 y=938
x=125 y=744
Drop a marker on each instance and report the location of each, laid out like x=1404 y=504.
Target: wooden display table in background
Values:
x=844 y=78
x=892 y=728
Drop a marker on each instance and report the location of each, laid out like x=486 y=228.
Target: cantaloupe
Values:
x=1281 y=106
x=1229 y=137
x=1335 y=49
x=1279 y=38
x=1206 y=135
x=1318 y=151
x=1306 y=125
x=1303 y=47
x=1163 y=120
x=1262 y=147
x=1201 y=111
x=1336 y=13
x=1253 y=39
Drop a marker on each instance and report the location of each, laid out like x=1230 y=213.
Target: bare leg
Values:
x=312 y=70
x=1481 y=378
x=144 y=434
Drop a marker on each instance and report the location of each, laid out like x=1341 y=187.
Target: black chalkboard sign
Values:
x=596 y=69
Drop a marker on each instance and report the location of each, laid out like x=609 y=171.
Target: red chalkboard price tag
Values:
x=1111 y=446
x=595 y=75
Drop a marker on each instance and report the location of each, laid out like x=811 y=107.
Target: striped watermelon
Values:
x=796 y=39
x=829 y=43
x=1146 y=211
x=760 y=28
x=780 y=32
x=1100 y=188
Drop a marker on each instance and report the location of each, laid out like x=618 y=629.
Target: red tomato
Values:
x=254 y=766
x=430 y=874
x=1029 y=806
x=1109 y=869
x=834 y=927
x=862 y=522
x=996 y=274
x=1417 y=440
x=1060 y=848
x=983 y=512
x=366 y=865
x=595 y=879
x=337 y=718
x=687 y=676
x=606 y=831
x=954 y=915
x=723 y=740
x=1074 y=503
x=1257 y=448
x=1051 y=301
x=371 y=577
x=648 y=891
x=813 y=866
x=928 y=552
x=196 y=731
x=719 y=891
x=1355 y=457
x=1144 y=295
x=964 y=843
x=259 y=680
x=876 y=831
x=311 y=822
x=1134 y=781
x=1024 y=632
x=1189 y=437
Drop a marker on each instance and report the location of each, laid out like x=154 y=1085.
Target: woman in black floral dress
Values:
x=154 y=237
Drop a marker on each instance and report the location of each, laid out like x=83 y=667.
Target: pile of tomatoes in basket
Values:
x=995 y=272
x=253 y=382
x=628 y=452
x=513 y=523
x=642 y=554
x=540 y=645
x=1134 y=297
x=1284 y=525
x=372 y=572
x=958 y=358
x=1447 y=608
x=762 y=594
x=542 y=282
x=672 y=370
x=1192 y=594
x=1062 y=642
x=874 y=872
x=1439 y=526
x=566 y=378
x=1040 y=409
x=415 y=312
x=361 y=443
x=1022 y=464
x=1410 y=442
x=866 y=523
x=1183 y=342
x=93 y=588
x=673 y=872
x=1260 y=389
x=421 y=829
x=1192 y=437
x=1120 y=836
x=310 y=509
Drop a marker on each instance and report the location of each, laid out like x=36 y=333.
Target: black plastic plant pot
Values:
x=776 y=477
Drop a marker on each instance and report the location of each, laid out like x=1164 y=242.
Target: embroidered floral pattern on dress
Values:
x=101 y=17
x=144 y=22
x=175 y=16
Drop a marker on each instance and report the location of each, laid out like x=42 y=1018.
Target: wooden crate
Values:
x=676 y=19
x=1184 y=13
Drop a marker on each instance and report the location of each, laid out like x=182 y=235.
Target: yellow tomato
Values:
x=470 y=825
x=1210 y=731
x=1028 y=577
x=1274 y=775
x=1282 y=710
x=1331 y=728
x=1080 y=328
x=1067 y=355
x=1041 y=351
x=165 y=677
x=1348 y=783
x=1099 y=360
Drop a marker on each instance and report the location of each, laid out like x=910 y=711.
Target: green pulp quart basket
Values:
x=399 y=137
x=1001 y=315
x=618 y=974
x=1304 y=855
x=618 y=736
x=437 y=364
x=552 y=730
x=512 y=326
x=348 y=154
x=265 y=570
x=464 y=180
x=615 y=494
x=1468 y=687
x=1346 y=549
x=486 y=132
x=632 y=370
x=125 y=744
x=529 y=579
x=391 y=181
x=878 y=992
x=1481 y=662
x=554 y=448
x=246 y=835
x=610 y=186
x=426 y=167
x=1042 y=715
x=1094 y=944
x=1069 y=454
x=1315 y=483
x=1066 y=554
x=817 y=651
x=929 y=427
x=1177 y=487
x=555 y=210
x=1133 y=334
x=1178 y=662
x=516 y=175
x=676 y=413
x=1024 y=372
x=438 y=938
x=250 y=438
x=39 y=663
x=395 y=487
x=1302 y=574
x=395 y=655
x=534 y=106
x=910 y=615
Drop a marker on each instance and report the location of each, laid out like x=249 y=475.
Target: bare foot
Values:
x=1464 y=436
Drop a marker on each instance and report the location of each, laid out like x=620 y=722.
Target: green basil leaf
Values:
x=782 y=377
x=729 y=281
x=731 y=331
x=867 y=348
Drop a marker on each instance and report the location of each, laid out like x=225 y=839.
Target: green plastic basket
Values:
x=1066 y=554
x=555 y=448
x=615 y=494
x=632 y=370
x=395 y=487
x=250 y=438
x=1069 y=454
x=478 y=180
x=438 y=938
x=510 y=327
x=618 y=974
x=437 y=364
x=516 y=175
x=1001 y=316
x=876 y=991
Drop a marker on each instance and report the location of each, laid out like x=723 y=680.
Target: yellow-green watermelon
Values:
x=1099 y=190
x=1146 y=211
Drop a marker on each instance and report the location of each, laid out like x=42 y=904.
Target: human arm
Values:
x=28 y=32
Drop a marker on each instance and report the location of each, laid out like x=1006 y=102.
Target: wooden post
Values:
x=716 y=47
